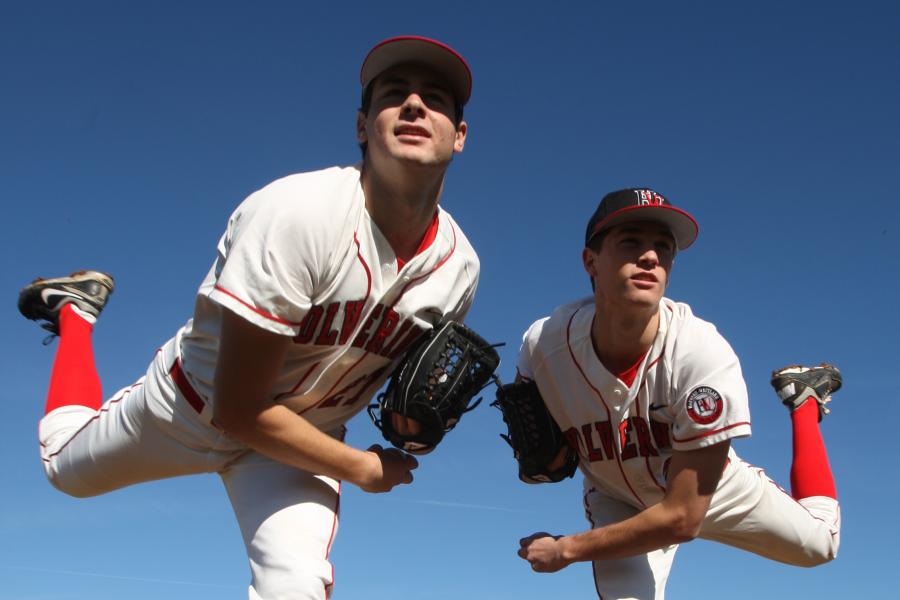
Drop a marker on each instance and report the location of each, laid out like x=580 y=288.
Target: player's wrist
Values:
x=364 y=469
x=568 y=549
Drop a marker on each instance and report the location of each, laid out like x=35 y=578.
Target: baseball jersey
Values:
x=302 y=258
x=688 y=393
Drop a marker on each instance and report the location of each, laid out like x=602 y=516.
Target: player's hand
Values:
x=560 y=460
x=388 y=468
x=543 y=551
x=405 y=426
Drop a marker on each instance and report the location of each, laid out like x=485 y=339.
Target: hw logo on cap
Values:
x=649 y=198
x=641 y=204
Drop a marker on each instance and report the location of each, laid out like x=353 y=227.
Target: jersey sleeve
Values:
x=466 y=283
x=272 y=257
x=472 y=270
x=710 y=396
x=525 y=362
x=465 y=304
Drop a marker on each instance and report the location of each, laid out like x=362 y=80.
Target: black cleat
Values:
x=796 y=384
x=42 y=299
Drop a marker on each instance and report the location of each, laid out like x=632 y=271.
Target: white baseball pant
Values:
x=748 y=511
x=150 y=430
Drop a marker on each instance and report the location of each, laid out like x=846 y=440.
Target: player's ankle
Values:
x=70 y=315
x=808 y=410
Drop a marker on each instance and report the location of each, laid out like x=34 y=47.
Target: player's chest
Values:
x=608 y=422
x=367 y=306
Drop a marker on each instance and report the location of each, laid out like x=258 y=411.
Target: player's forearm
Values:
x=287 y=437
x=693 y=478
x=656 y=527
x=249 y=361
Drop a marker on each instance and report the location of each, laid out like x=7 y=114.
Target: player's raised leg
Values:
x=806 y=391
x=89 y=447
x=69 y=307
x=751 y=512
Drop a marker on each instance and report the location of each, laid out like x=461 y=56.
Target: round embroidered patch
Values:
x=704 y=405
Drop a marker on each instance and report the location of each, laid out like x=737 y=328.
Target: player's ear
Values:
x=361 y=136
x=588 y=258
x=669 y=273
x=461 y=130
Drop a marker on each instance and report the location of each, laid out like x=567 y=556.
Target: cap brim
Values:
x=682 y=225
x=415 y=50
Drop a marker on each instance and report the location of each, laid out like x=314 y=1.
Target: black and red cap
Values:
x=417 y=50
x=642 y=204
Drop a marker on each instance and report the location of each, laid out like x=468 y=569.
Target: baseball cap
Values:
x=642 y=204
x=417 y=50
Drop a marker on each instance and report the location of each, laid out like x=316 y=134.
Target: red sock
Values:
x=74 y=379
x=810 y=473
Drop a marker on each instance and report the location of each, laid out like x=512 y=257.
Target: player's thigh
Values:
x=637 y=577
x=288 y=519
x=751 y=512
x=129 y=440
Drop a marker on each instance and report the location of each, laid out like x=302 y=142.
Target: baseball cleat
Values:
x=42 y=299
x=797 y=384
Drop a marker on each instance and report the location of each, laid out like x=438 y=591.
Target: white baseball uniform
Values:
x=301 y=258
x=688 y=393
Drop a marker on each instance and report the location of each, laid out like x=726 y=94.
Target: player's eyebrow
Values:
x=438 y=85
x=428 y=84
x=630 y=230
x=655 y=229
x=626 y=229
x=395 y=80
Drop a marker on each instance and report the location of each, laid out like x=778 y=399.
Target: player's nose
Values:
x=649 y=257
x=413 y=104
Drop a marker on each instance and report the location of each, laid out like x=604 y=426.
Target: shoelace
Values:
x=52 y=336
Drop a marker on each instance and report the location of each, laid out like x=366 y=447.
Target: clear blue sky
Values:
x=129 y=131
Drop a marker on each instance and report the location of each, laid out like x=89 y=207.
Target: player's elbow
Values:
x=683 y=533
x=684 y=525
x=233 y=422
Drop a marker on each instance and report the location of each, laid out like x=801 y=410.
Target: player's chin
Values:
x=415 y=155
x=644 y=298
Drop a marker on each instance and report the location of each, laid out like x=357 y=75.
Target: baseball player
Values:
x=650 y=397
x=320 y=282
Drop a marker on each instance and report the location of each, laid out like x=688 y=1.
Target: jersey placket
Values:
x=617 y=449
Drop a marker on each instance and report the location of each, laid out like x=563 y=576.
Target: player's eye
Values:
x=436 y=99
x=392 y=93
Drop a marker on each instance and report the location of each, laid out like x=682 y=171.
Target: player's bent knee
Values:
x=68 y=488
x=288 y=586
x=815 y=557
x=820 y=559
x=68 y=484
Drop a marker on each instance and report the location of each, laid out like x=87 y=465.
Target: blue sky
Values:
x=128 y=133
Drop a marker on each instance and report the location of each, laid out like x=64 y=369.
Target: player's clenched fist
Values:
x=543 y=551
x=387 y=468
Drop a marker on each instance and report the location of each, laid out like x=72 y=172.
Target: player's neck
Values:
x=402 y=206
x=620 y=337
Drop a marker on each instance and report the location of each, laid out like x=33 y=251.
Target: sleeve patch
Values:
x=705 y=405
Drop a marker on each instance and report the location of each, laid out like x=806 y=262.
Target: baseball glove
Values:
x=434 y=385
x=534 y=436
